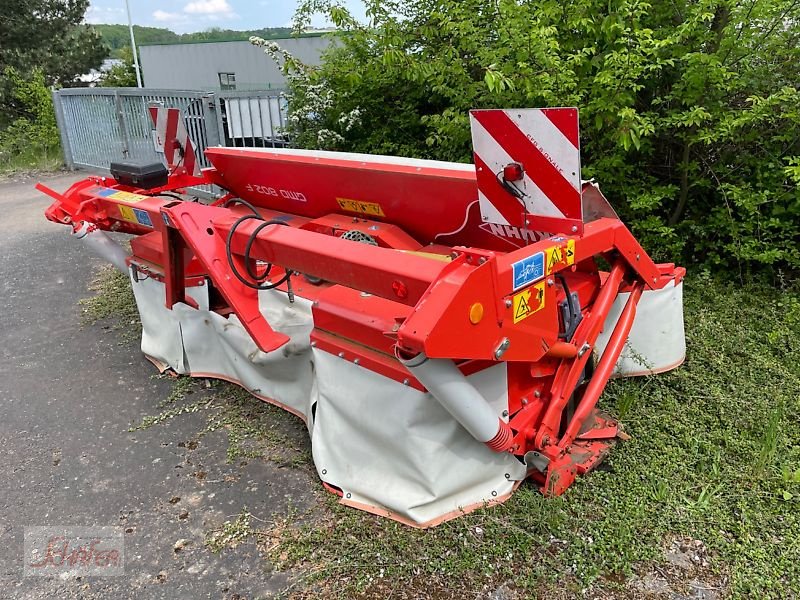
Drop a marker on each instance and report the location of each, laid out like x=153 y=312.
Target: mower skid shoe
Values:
x=579 y=459
x=597 y=438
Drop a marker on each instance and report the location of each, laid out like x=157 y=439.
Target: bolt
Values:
x=505 y=413
x=574 y=228
x=524 y=402
x=313 y=344
x=509 y=303
x=638 y=257
x=406 y=382
x=341 y=354
x=501 y=349
x=550 y=282
x=356 y=361
x=481 y=260
x=537 y=393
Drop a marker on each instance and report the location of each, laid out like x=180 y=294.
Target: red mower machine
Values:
x=445 y=330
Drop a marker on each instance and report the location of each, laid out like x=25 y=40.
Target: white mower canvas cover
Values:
x=391 y=450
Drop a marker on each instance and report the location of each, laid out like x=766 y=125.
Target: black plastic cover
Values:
x=140 y=174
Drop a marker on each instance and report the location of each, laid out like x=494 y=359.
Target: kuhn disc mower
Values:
x=444 y=330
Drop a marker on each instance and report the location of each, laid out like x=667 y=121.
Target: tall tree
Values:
x=48 y=35
x=689 y=108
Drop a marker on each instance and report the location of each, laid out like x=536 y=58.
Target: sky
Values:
x=184 y=16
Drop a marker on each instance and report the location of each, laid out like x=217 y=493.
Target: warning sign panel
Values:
x=127 y=213
x=528 y=302
x=365 y=208
x=559 y=257
x=119 y=195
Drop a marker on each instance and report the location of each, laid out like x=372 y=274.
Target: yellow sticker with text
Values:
x=559 y=257
x=127 y=196
x=127 y=213
x=365 y=208
x=528 y=301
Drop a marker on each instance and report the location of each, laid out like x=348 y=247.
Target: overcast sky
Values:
x=184 y=16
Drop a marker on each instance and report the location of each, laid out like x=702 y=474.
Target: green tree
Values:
x=31 y=137
x=48 y=35
x=689 y=108
x=122 y=74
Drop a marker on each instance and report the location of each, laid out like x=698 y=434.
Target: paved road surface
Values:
x=68 y=395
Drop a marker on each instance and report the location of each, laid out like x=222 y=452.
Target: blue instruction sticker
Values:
x=142 y=217
x=528 y=270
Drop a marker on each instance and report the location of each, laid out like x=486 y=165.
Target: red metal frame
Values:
x=408 y=293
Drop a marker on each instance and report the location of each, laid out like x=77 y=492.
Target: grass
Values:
x=255 y=429
x=112 y=304
x=714 y=457
x=713 y=464
x=39 y=161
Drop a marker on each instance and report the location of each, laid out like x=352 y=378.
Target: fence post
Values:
x=66 y=148
x=121 y=122
x=220 y=126
x=211 y=120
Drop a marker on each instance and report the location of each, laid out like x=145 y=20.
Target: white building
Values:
x=94 y=76
x=237 y=65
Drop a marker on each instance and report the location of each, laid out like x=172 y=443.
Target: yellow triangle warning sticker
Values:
x=559 y=256
x=522 y=309
x=528 y=302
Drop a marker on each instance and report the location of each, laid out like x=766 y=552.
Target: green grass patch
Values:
x=112 y=304
x=714 y=462
x=38 y=161
x=231 y=533
x=255 y=429
x=714 y=457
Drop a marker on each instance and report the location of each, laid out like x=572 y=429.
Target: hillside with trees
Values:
x=117 y=37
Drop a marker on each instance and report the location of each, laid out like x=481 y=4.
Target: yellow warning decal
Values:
x=127 y=213
x=127 y=197
x=559 y=256
x=528 y=301
x=365 y=208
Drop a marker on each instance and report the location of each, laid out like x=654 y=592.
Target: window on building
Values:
x=227 y=81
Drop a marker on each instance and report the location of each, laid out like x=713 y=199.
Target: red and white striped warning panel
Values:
x=172 y=138
x=528 y=162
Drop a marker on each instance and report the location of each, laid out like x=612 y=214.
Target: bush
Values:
x=689 y=110
x=31 y=137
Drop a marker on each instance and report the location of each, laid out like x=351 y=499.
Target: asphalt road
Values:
x=69 y=394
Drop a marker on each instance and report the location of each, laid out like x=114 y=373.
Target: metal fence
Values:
x=101 y=125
